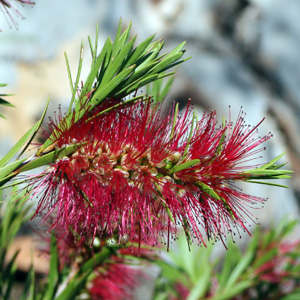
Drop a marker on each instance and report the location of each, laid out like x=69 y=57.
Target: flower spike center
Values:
x=99 y=159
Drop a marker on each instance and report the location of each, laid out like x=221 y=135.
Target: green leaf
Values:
x=167 y=208
x=73 y=288
x=116 y=63
x=136 y=85
x=127 y=103
x=7 y=172
x=69 y=72
x=166 y=89
x=294 y=295
x=77 y=78
x=102 y=93
x=242 y=265
x=230 y=262
x=29 y=288
x=268 y=173
x=53 y=271
x=6 y=103
x=17 y=167
x=138 y=51
x=119 y=56
x=94 y=50
x=117 y=44
x=272 y=162
x=49 y=157
x=27 y=137
x=185 y=165
x=237 y=289
x=96 y=260
x=174 y=122
x=79 y=280
x=165 y=63
x=170 y=271
x=200 y=271
x=189 y=137
x=207 y=189
x=265 y=258
x=9 y=276
x=95 y=68
x=201 y=286
x=12 y=217
x=269 y=183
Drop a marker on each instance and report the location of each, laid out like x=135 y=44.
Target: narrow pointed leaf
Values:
x=5 y=172
x=74 y=91
x=116 y=44
x=164 y=64
x=123 y=38
x=272 y=162
x=138 y=51
x=115 y=64
x=268 y=173
x=242 y=265
x=73 y=288
x=268 y=183
x=94 y=71
x=207 y=189
x=29 y=291
x=136 y=85
x=49 y=158
x=185 y=165
x=6 y=103
x=69 y=72
x=166 y=89
x=53 y=271
x=108 y=88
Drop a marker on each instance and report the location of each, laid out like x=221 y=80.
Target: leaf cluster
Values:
x=269 y=171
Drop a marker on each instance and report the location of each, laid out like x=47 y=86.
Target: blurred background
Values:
x=244 y=53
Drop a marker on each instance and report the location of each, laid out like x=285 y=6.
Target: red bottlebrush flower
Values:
x=114 y=281
x=137 y=174
x=7 y=6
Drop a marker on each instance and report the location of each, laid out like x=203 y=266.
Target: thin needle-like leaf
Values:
x=77 y=79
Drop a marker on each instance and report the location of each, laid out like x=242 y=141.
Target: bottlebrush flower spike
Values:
x=138 y=174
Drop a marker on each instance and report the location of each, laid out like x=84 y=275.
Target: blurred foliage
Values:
x=13 y=216
x=268 y=268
